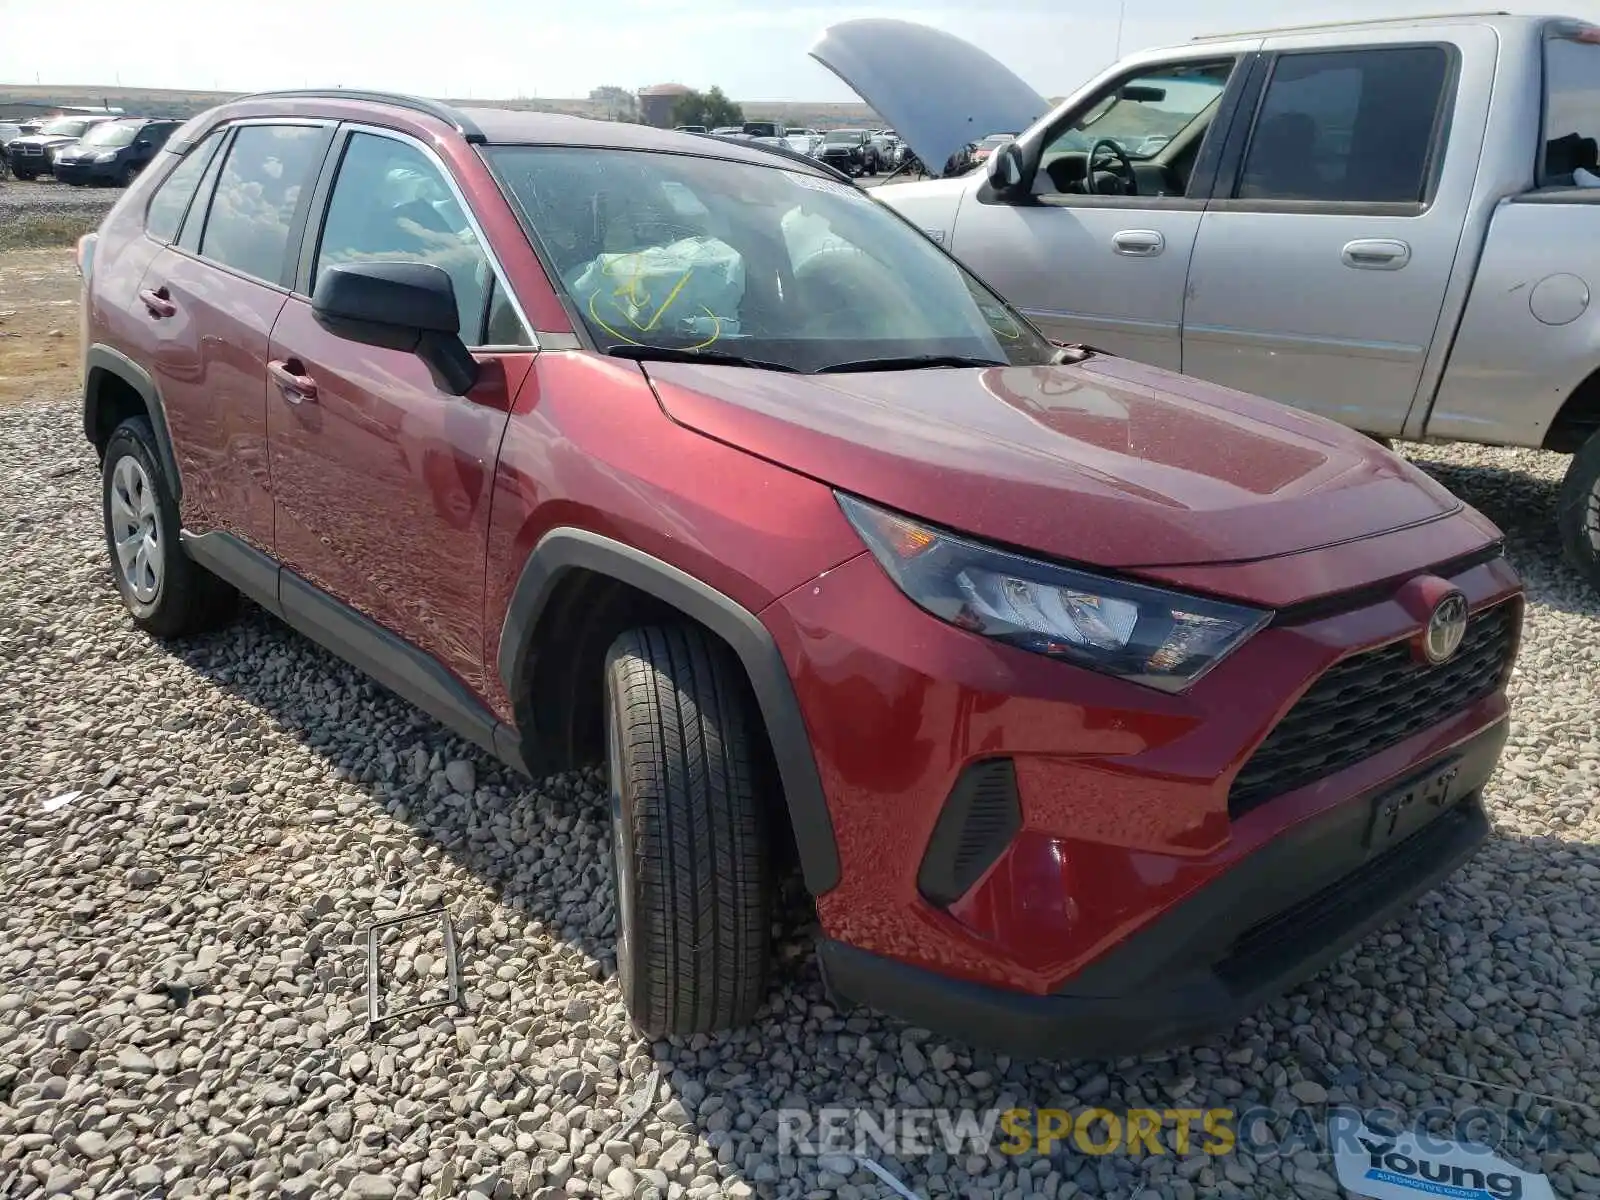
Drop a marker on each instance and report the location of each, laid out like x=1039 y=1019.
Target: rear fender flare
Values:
x=101 y=360
x=563 y=550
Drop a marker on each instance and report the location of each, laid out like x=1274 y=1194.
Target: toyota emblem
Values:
x=1446 y=627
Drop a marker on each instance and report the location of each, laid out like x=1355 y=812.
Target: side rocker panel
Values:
x=562 y=550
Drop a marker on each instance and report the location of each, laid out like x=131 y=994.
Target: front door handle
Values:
x=1376 y=254
x=296 y=386
x=1139 y=243
x=158 y=301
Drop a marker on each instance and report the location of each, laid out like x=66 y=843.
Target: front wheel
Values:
x=25 y=176
x=689 y=841
x=1578 y=511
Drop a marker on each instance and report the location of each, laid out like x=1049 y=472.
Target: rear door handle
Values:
x=158 y=301
x=1139 y=243
x=1376 y=254
x=296 y=386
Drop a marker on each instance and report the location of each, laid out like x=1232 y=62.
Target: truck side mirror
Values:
x=1008 y=170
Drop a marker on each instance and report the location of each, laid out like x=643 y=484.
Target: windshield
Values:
x=1145 y=114
x=64 y=127
x=111 y=133
x=678 y=253
x=844 y=135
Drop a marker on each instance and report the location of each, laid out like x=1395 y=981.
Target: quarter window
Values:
x=1350 y=126
x=390 y=203
x=253 y=207
x=172 y=197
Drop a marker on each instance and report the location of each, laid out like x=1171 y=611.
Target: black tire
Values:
x=185 y=597
x=690 y=859
x=1578 y=512
x=26 y=176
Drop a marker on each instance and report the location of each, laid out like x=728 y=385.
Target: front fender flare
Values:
x=563 y=550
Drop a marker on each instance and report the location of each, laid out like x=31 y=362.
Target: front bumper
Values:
x=1123 y=811
x=1221 y=954
x=83 y=172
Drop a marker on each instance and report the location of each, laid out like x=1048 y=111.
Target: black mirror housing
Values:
x=405 y=306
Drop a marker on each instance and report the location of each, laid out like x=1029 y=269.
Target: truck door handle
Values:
x=158 y=301
x=1139 y=243
x=1376 y=254
x=295 y=386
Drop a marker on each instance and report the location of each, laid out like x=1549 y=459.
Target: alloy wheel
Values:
x=136 y=530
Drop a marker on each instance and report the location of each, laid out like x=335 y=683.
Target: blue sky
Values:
x=496 y=48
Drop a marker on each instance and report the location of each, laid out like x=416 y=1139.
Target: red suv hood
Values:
x=1109 y=462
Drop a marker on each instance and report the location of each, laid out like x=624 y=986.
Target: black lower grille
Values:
x=977 y=823
x=1370 y=702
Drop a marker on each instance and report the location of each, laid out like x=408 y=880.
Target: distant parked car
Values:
x=803 y=141
x=8 y=134
x=689 y=128
x=33 y=154
x=850 y=151
x=989 y=145
x=113 y=151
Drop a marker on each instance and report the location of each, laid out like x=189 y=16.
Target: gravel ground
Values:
x=48 y=196
x=197 y=836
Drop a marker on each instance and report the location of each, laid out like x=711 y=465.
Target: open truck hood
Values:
x=1107 y=463
x=937 y=91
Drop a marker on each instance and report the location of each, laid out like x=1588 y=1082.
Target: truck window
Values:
x=1347 y=126
x=1572 y=103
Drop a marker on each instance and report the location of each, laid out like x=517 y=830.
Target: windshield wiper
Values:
x=713 y=357
x=910 y=362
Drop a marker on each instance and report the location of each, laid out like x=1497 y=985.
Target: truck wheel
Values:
x=25 y=176
x=166 y=592
x=690 y=861
x=1578 y=511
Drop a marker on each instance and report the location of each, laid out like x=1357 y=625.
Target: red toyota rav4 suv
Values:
x=1095 y=703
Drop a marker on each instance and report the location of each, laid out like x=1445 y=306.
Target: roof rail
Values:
x=453 y=117
x=1413 y=19
x=784 y=152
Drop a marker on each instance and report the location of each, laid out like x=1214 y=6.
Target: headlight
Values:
x=1161 y=639
x=106 y=156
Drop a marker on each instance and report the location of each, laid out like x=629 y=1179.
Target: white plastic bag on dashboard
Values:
x=690 y=288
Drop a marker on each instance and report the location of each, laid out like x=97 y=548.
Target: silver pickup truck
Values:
x=1395 y=224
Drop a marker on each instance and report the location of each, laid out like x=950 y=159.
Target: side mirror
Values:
x=405 y=306
x=1008 y=170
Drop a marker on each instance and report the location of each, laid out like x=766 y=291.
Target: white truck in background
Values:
x=1392 y=223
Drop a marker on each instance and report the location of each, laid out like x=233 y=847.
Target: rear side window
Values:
x=1348 y=126
x=172 y=197
x=1571 y=104
x=253 y=207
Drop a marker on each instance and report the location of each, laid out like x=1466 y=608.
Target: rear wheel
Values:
x=25 y=176
x=166 y=592
x=1578 y=511
x=689 y=835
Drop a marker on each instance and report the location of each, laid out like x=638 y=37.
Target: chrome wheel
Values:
x=136 y=530
x=623 y=899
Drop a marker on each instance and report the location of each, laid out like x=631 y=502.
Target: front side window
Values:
x=172 y=197
x=390 y=203
x=253 y=206
x=1137 y=120
x=705 y=255
x=1572 y=105
x=1350 y=126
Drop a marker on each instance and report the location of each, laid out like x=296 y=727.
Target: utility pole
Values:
x=1122 y=16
